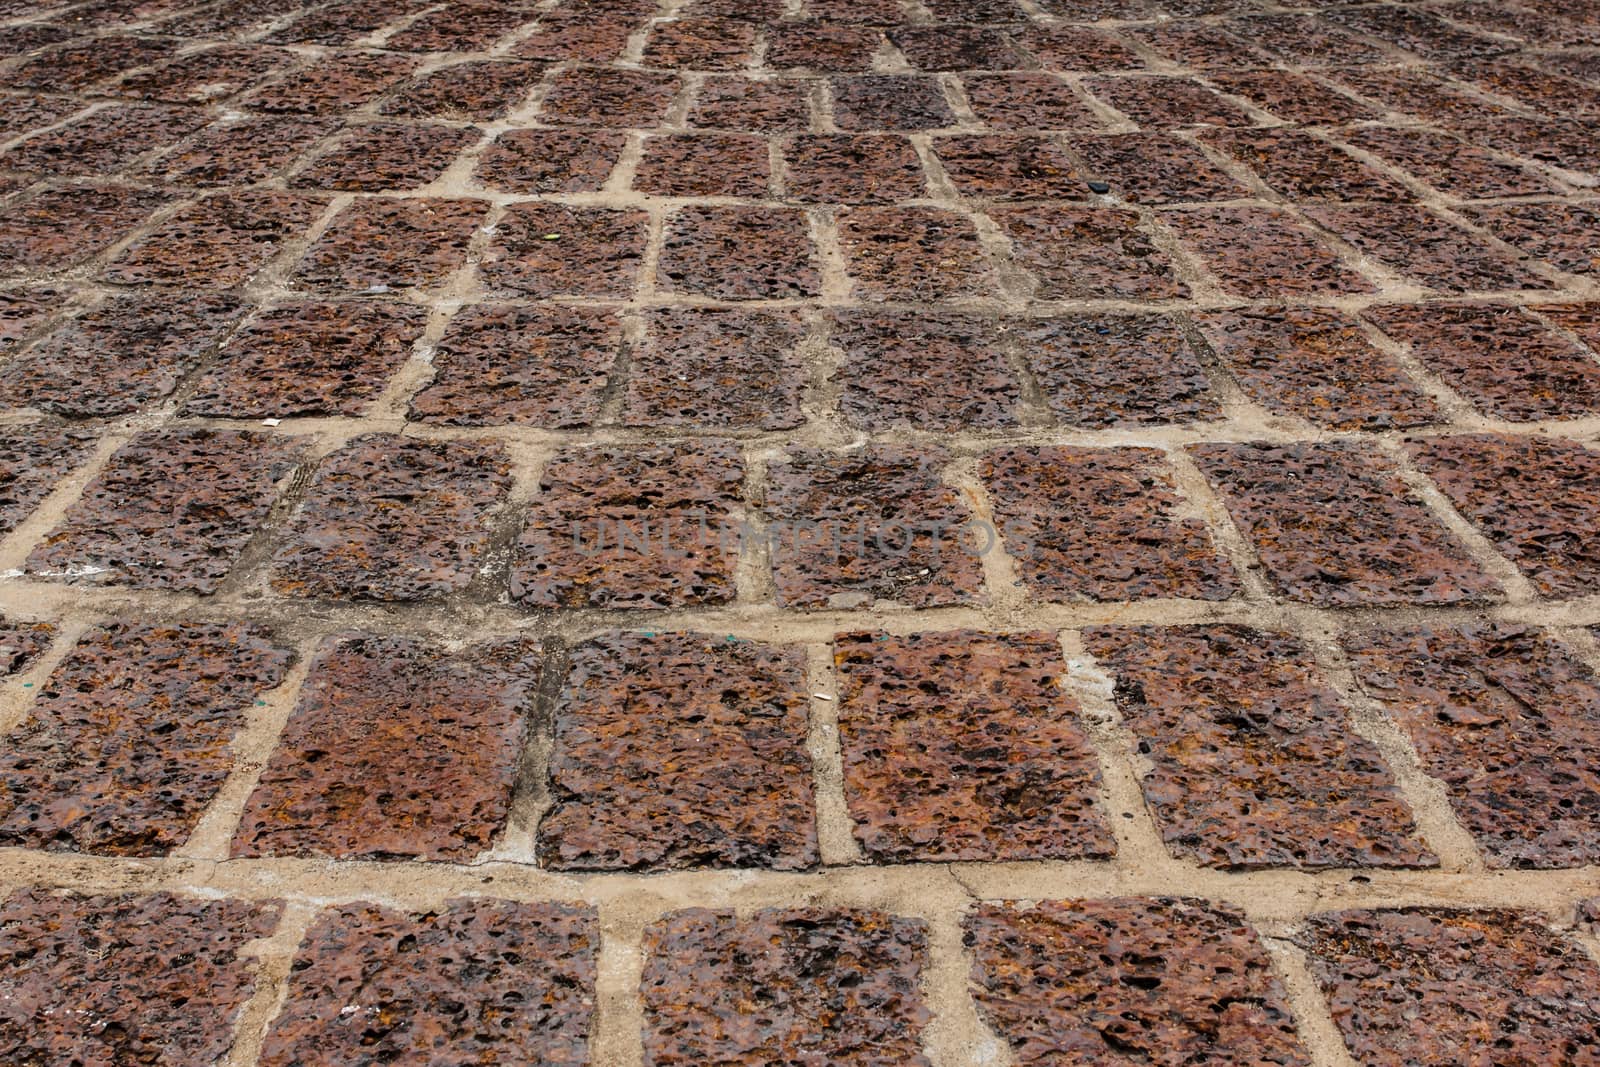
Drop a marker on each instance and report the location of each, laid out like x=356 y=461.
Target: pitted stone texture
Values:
x=385 y=156
x=957 y=48
x=205 y=76
x=340 y=23
x=21 y=644
x=477 y=981
x=61 y=228
x=394 y=518
x=172 y=509
x=1420 y=245
x=336 y=83
x=1088 y=252
x=1335 y=526
x=550 y=161
x=889 y=102
x=396 y=750
x=575 y=33
x=218 y=243
x=1101 y=524
x=104 y=980
x=466 y=27
x=1079 y=48
x=22 y=311
x=703 y=164
x=545 y=249
x=1435 y=987
x=130 y=739
x=1560 y=234
x=1155 y=168
x=1202 y=47
x=1318 y=365
x=737 y=103
x=24 y=114
x=680 y=751
x=377 y=244
x=639 y=527
x=308 y=359
x=1162 y=102
x=478 y=91
x=850 y=529
x=930 y=371
x=913 y=254
x=803 y=985
x=609 y=96
x=1009 y=166
x=1309 y=40
x=1130 y=980
x=238 y=151
x=1418 y=92
x=964 y=746
x=845 y=168
x=699 y=44
x=714 y=367
x=103 y=141
x=1302 y=166
x=822 y=46
x=1252 y=758
x=1505 y=716
x=1263 y=253
x=79 y=64
x=1027 y=100
x=1293 y=97
x=526 y=366
x=739 y=253
x=1102 y=371
x=1449 y=164
x=33 y=458
x=1582 y=319
x=1419 y=32
x=124 y=355
x=1499 y=358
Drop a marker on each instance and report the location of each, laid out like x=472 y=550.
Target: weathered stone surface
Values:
x=1423 y=246
x=889 y=102
x=218 y=243
x=1009 y=166
x=699 y=44
x=61 y=228
x=1451 y=165
x=378 y=244
x=1155 y=168
x=103 y=141
x=33 y=458
x=1027 y=100
x=546 y=249
x=1302 y=166
x=385 y=157
x=550 y=161
x=931 y=371
x=1163 y=102
x=333 y=84
x=1560 y=234
x=739 y=253
x=21 y=643
x=1263 y=253
x=238 y=150
x=477 y=91
x=716 y=367
x=1087 y=252
x=601 y=96
x=703 y=164
x=1102 y=371
x=846 y=168
x=913 y=254
x=739 y=103
x=1292 y=97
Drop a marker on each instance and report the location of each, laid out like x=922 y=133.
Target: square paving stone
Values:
x=545 y=249
x=1129 y=980
x=1583 y=320
x=1309 y=41
x=1088 y=252
x=24 y=114
x=680 y=751
x=1252 y=759
x=1079 y=48
x=964 y=746
x=850 y=529
x=550 y=161
x=1449 y=164
x=396 y=518
x=526 y=366
x=471 y=27
x=21 y=643
x=396 y=749
x=931 y=371
x=713 y=367
x=951 y=47
x=1335 y=526
x=130 y=739
x=33 y=458
x=699 y=44
x=124 y=980
x=739 y=103
x=103 y=141
x=1154 y=168
x=1560 y=234
x=238 y=150
x=79 y=64
x=23 y=311
x=1436 y=987
x=608 y=96
x=1102 y=371
x=63 y=227
x=218 y=242
x=465 y=984
x=801 y=985
x=1293 y=97
x=1564 y=143
x=333 y=84
x=1164 y=102
x=474 y=92
x=123 y=355
x=206 y=76
x=379 y=244
x=1028 y=100
x=703 y=164
x=1499 y=358
x=913 y=254
x=739 y=253
x=386 y=156
x=1419 y=32
x=1505 y=716
x=342 y=22
x=1101 y=524
x=1006 y=166
x=1423 y=246
x=822 y=46
x=1263 y=253
x=564 y=35
x=1318 y=365
x=173 y=509
x=1200 y=46
x=308 y=359
x=640 y=527
x=889 y=102
x=1416 y=91
x=852 y=168
x=1302 y=166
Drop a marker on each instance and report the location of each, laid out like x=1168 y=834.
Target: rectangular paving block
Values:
x=21 y=644
x=103 y=141
x=739 y=253
x=1560 y=234
x=78 y=64
x=596 y=35
x=1160 y=103
x=1027 y=100
x=476 y=981
x=1309 y=40
x=465 y=27
x=475 y=91
x=1129 y=980
x=699 y=44
x=332 y=84
x=955 y=48
x=965 y=746
x=1302 y=166
x=1063 y=47
x=1425 y=247
x=937 y=371
x=545 y=249
x=550 y=160
x=822 y=46
x=130 y=738
x=396 y=749
x=735 y=102
x=889 y=102
x=1583 y=320
x=1088 y=252
x=609 y=96
x=1252 y=760
x=1009 y=166
x=1451 y=165
x=1335 y=526
x=851 y=168
x=379 y=244
x=703 y=164
x=1264 y=253
x=913 y=254
x=219 y=242
x=796 y=985
x=717 y=367
x=677 y=751
x=62 y=227
x=206 y=75
x=238 y=150
x=33 y=458
x=1293 y=97
x=1154 y=168
x=385 y=157
x=1102 y=371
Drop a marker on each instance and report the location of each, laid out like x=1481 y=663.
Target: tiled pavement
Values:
x=1098 y=499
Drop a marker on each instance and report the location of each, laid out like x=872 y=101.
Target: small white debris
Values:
x=270 y=422
x=821 y=696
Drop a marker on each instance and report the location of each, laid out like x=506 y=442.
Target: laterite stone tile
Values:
x=1009 y=167
x=22 y=311
x=1166 y=102
x=23 y=38
x=956 y=48
x=1309 y=41
x=699 y=44
x=799 y=985
x=703 y=164
x=745 y=104
x=396 y=749
x=460 y=28
x=393 y=518
x=1293 y=97
x=889 y=102
x=827 y=47
x=24 y=114
x=386 y=156
x=1542 y=30
x=739 y=253
x=560 y=36
x=632 y=527
x=1200 y=46
x=1302 y=166
x=131 y=737
x=1418 y=92
x=545 y=249
x=1436 y=986
x=913 y=254
x=473 y=92
x=1419 y=32
x=1086 y=524
x=850 y=529
x=123 y=355
x=1449 y=164
x=308 y=359
x=1503 y=715
x=1535 y=498
x=867 y=12
x=550 y=161
x=1564 y=143
x=172 y=509
x=1086 y=252
x=1561 y=235
x=469 y=983
x=1263 y=253
x=336 y=83
x=1582 y=319
x=1105 y=371
x=21 y=643
x=1252 y=759
x=377 y=244
x=130 y=979
x=207 y=76
x=1027 y=100
x=1017 y=779
x=536 y=366
x=703 y=367
x=1318 y=365
x=77 y=65
x=1154 y=168
x=230 y=19
x=1129 y=980
x=678 y=751
x=1079 y=48
x=852 y=168
x=104 y=141
x=218 y=242
x=1499 y=358
x=1334 y=526
x=341 y=23
x=1424 y=246
x=33 y=458
x=759 y=11
x=601 y=96
x=238 y=151
x=924 y=370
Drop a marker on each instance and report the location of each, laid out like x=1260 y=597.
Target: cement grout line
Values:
x=836 y=840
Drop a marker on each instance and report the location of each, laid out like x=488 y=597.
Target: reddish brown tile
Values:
x=703 y=164
x=1560 y=234
x=375 y=245
x=737 y=103
x=1078 y=252
x=1301 y=166
x=1263 y=253
x=699 y=44
x=218 y=242
x=595 y=96
x=1154 y=168
x=333 y=84
x=852 y=168
x=1101 y=371
x=474 y=92
x=386 y=156
x=550 y=161
x=33 y=458
x=1165 y=102
x=1009 y=167
x=238 y=151
x=1027 y=101
x=948 y=47
x=460 y=27
x=889 y=102
x=822 y=46
x=63 y=227
x=705 y=367
x=930 y=371
x=1292 y=97
x=206 y=76
x=1447 y=163
x=739 y=253
x=547 y=249
x=1423 y=246
x=1079 y=48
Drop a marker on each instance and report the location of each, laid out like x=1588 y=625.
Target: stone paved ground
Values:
x=799 y=531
